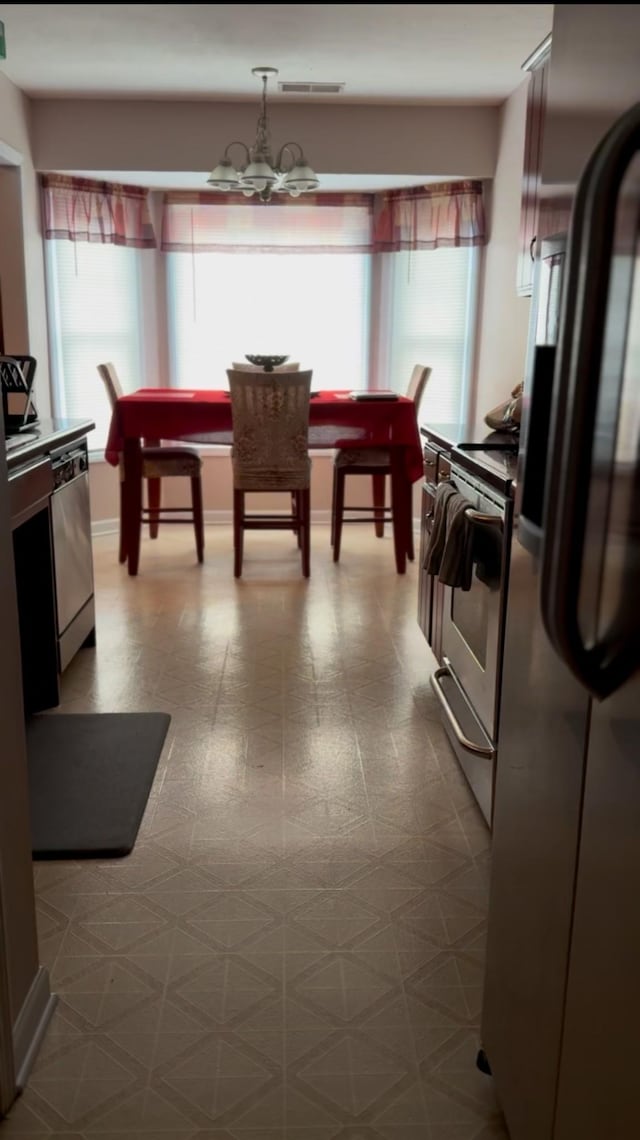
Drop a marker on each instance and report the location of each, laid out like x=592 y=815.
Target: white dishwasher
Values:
x=72 y=554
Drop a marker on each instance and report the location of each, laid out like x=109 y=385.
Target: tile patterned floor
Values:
x=294 y=949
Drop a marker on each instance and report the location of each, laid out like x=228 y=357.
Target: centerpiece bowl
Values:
x=266 y=362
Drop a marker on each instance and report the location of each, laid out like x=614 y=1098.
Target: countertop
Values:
x=490 y=455
x=47 y=437
x=475 y=438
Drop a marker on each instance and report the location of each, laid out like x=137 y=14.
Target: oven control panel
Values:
x=69 y=465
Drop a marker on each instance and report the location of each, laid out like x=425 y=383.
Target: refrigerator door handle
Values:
x=576 y=392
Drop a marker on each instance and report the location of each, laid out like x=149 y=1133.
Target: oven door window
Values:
x=470 y=616
x=471 y=610
x=471 y=619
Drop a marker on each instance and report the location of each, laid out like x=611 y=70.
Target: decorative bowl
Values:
x=266 y=362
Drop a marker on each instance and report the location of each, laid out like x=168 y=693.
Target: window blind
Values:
x=313 y=308
x=93 y=301
x=336 y=223
x=430 y=314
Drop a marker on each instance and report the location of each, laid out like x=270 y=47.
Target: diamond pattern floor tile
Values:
x=294 y=948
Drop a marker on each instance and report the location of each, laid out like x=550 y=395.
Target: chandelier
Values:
x=259 y=172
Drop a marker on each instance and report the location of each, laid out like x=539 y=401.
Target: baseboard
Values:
x=31 y=1025
x=104 y=526
x=220 y=518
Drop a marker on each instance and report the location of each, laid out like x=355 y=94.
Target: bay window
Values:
x=355 y=289
x=93 y=300
x=313 y=307
x=429 y=308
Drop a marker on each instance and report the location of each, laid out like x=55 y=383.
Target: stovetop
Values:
x=497 y=468
x=489 y=455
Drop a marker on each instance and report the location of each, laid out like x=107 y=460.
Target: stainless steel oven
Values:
x=467 y=683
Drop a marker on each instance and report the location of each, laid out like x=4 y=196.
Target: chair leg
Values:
x=378 y=484
x=122 y=552
x=294 y=514
x=304 y=501
x=198 y=518
x=154 y=496
x=238 y=531
x=410 y=550
x=333 y=505
x=295 y=503
x=338 y=511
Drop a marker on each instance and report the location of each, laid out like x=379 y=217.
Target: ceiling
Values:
x=384 y=53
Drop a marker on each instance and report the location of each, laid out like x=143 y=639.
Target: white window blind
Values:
x=94 y=311
x=430 y=316
x=216 y=226
x=312 y=307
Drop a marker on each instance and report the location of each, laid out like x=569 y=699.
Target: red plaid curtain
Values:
x=429 y=217
x=109 y=213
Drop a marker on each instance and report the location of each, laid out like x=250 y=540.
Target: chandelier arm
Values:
x=293 y=158
x=237 y=142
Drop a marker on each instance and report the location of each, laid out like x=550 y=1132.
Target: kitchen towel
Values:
x=449 y=555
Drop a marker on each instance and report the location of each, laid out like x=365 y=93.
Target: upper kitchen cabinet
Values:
x=538 y=66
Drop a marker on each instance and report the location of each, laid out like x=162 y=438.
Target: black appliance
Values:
x=17 y=374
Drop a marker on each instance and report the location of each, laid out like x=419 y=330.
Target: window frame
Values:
x=367 y=261
x=58 y=393
x=152 y=290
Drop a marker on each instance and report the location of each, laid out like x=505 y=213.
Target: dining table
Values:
x=337 y=419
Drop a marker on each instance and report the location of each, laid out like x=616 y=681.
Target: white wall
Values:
x=21 y=254
x=504 y=316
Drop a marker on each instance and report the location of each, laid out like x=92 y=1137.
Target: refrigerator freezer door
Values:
x=536 y=820
x=598 y=1088
x=549 y=763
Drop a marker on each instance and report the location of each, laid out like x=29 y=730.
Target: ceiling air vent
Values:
x=311 y=88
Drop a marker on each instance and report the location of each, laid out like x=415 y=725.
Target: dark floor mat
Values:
x=90 y=775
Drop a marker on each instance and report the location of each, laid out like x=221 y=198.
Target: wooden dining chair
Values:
x=160 y=463
x=270 y=453
x=376 y=462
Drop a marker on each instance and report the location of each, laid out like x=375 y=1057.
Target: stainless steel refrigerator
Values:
x=561 y=1010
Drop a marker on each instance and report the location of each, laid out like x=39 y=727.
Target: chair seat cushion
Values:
x=165 y=461
x=362 y=457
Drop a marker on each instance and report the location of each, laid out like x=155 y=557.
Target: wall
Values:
x=504 y=316
x=121 y=135
x=480 y=142
x=21 y=255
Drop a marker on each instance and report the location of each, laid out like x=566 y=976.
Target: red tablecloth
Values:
x=204 y=416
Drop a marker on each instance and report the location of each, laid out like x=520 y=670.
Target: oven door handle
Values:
x=463 y=741
x=479 y=517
